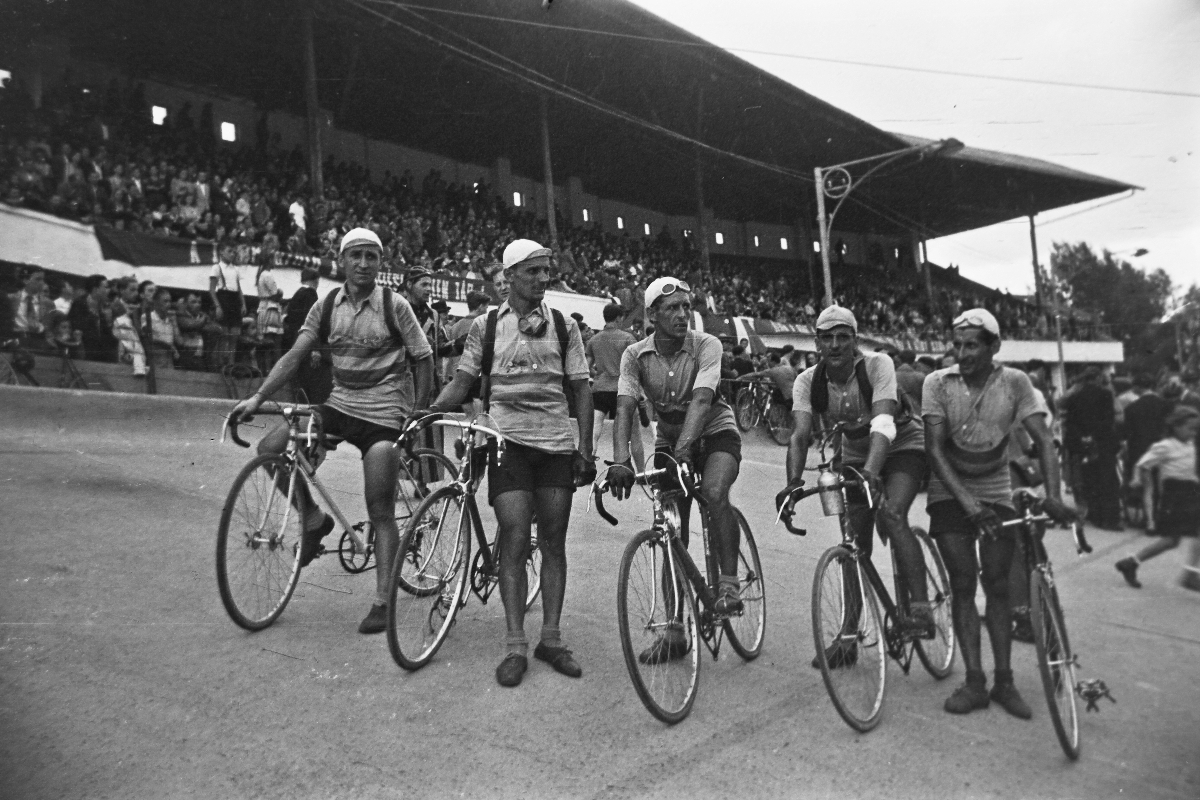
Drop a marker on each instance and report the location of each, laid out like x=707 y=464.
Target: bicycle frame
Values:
x=669 y=523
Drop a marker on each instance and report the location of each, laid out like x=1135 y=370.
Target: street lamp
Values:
x=836 y=183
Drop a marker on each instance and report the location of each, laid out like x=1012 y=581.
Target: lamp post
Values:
x=836 y=183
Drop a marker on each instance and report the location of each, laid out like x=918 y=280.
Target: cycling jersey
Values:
x=846 y=405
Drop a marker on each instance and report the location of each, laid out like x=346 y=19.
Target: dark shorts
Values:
x=723 y=442
x=948 y=517
x=913 y=463
x=339 y=427
x=605 y=403
x=520 y=468
x=1178 y=509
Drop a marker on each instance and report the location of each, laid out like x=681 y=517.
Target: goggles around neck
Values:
x=533 y=325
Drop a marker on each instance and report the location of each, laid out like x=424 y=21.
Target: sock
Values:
x=1003 y=676
x=551 y=636
x=381 y=597
x=977 y=678
x=1135 y=560
x=516 y=644
x=730 y=582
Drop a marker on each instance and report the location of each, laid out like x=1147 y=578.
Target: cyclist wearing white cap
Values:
x=880 y=440
x=382 y=369
x=678 y=371
x=537 y=467
x=970 y=409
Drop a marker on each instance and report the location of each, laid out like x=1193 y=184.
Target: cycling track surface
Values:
x=122 y=677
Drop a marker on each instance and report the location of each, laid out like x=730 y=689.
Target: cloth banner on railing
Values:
x=144 y=250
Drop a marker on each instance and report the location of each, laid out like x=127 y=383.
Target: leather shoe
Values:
x=664 y=649
x=310 y=541
x=838 y=656
x=375 y=621
x=559 y=658
x=511 y=669
x=1007 y=697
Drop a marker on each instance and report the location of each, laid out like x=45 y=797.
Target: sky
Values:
x=1146 y=138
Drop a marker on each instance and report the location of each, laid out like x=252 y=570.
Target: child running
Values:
x=1178 y=511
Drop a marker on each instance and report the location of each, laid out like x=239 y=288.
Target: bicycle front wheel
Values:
x=420 y=476
x=656 y=615
x=779 y=420
x=746 y=631
x=1055 y=661
x=428 y=578
x=258 y=543
x=936 y=654
x=848 y=634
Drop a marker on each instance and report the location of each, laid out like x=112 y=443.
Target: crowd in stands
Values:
x=93 y=154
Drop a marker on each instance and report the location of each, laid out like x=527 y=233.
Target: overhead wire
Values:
x=777 y=54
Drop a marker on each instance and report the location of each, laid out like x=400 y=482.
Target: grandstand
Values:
x=132 y=140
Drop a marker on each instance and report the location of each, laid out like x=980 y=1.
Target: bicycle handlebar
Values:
x=231 y=422
x=786 y=511
x=438 y=418
x=1081 y=543
x=686 y=479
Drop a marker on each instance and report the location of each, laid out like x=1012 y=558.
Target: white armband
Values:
x=885 y=425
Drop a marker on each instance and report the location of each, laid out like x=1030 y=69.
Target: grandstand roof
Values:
x=463 y=78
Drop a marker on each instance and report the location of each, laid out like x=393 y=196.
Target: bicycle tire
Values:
x=257 y=573
x=667 y=688
x=780 y=421
x=1055 y=661
x=428 y=577
x=433 y=470
x=8 y=374
x=745 y=409
x=937 y=654
x=747 y=630
x=857 y=685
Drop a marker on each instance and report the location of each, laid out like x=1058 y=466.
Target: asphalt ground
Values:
x=122 y=676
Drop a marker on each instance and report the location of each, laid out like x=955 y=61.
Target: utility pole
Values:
x=312 y=103
x=548 y=175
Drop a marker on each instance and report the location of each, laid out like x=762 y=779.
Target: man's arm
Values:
x=797 y=455
x=279 y=375
x=936 y=434
x=878 y=452
x=693 y=421
x=583 y=414
x=422 y=381
x=455 y=393
x=623 y=428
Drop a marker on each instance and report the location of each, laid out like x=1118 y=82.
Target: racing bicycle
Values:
x=853 y=639
x=433 y=565
x=755 y=403
x=259 y=535
x=661 y=623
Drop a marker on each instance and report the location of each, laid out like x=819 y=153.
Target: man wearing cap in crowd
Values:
x=678 y=370
x=377 y=382
x=969 y=410
x=537 y=467
x=880 y=440
x=418 y=285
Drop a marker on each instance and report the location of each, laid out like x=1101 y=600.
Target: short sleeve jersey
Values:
x=527 y=402
x=605 y=350
x=846 y=404
x=979 y=422
x=372 y=380
x=669 y=381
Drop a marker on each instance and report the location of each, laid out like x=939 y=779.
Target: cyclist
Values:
x=537 y=468
x=781 y=371
x=880 y=439
x=969 y=410
x=377 y=381
x=679 y=370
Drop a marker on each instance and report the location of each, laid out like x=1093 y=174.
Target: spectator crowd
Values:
x=93 y=154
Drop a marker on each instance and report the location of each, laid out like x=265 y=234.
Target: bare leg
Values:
x=893 y=518
x=958 y=552
x=720 y=471
x=553 y=513
x=996 y=554
x=381 y=466
x=514 y=513
x=276 y=442
x=1163 y=544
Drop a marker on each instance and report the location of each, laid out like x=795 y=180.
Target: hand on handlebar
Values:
x=1059 y=511
x=245 y=409
x=784 y=500
x=987 y=521
x=874 y=484
x=621 y=478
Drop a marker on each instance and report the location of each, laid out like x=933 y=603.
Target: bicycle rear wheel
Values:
x=429 y=576
x=1055 y=661
x=936 y=654
x=745 y=409
x=848 y=634
x=746 y=631
x=779 y=420
x=258 y=544
x=659 y=633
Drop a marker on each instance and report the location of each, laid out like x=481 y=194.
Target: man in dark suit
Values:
x=30 y=307
x=313 y=380
x=1143 y=421
x=1090 y=435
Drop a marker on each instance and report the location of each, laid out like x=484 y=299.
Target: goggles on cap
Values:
x=973 y=319
x=670 y=288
